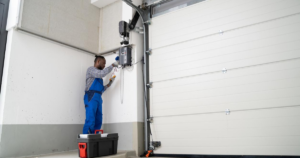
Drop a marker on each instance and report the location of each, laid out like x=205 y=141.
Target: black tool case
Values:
x=95 y=145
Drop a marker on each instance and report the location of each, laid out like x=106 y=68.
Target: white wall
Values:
x=137 y=39
x=44 y=82
x=109 y=26
x=75 y=22
x=13 y=14
x=132 y=108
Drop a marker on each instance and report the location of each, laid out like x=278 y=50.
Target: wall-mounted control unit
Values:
x=125 y=56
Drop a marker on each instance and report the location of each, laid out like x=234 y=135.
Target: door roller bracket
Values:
x=224 y=70
x=149 y=52
x=154 y=145
x=149 y=85
x=148 y=22
x=227 y=112
x=150 y=119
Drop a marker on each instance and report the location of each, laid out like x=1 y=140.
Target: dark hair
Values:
x=97 y=58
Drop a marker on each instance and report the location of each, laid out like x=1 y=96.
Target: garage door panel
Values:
x=238 y=115
x=175 y=38
x=222 y=81
x=221 y=125
x=288 y=42
x=195 y=12
x=248 y=49
x=210 y=108
x=199 y=15
x=209 y=105
x=193 y=150
x=251 y=141
x=252 y=69
x=266 y=150
x=236 y=150
x=244 y=16
x=257 y=128
x=221 y=58
x=231 y=133
x=267 y=144
x=232 y=90
x=236 y=74
x=199 y=53
x=286 y=33
x=271 y=34
x=231 y=64
x=229 y=99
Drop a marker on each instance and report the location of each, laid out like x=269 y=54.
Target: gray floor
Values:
x=74 y=154
x=71 y=154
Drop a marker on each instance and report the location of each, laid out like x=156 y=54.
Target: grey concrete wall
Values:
x=25 y=140
x=75 y=22
x=28 y=140
x=131 y=135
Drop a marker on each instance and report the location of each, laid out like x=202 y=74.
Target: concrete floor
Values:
x=70 y=154
x=74 y=154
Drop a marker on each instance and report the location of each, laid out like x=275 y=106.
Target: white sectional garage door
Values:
x=241 y=55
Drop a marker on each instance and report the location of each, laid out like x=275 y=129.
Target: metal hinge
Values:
x=154 y=145
x=148 y=22
x=224 y=70
x=150 y=119
x=149 y=85
x=221 y=32
x=227 y=112
x=139 y=30
x=149 y=52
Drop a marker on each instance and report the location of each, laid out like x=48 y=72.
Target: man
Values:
x=93 y=92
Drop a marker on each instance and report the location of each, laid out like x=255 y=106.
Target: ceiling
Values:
x=102 y=3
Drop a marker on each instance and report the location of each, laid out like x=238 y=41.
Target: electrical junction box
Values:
x=125 y=56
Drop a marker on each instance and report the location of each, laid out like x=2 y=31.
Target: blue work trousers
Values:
x=93 y=111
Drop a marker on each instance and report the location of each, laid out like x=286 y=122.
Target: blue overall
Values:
x=93 y=107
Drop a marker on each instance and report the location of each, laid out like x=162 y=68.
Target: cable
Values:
x=116 y=69
x=130 y=68
x=122 y=85
x=122 y=78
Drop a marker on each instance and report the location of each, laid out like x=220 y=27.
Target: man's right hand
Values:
x=115 y=64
